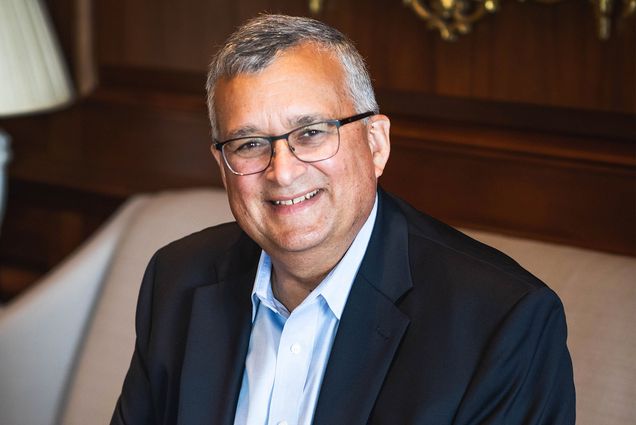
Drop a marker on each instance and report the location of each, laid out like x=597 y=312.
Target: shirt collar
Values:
x=334 y=288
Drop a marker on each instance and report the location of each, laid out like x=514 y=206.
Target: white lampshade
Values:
x=33 y=76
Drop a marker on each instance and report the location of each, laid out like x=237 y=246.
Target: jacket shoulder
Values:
x=461 y=258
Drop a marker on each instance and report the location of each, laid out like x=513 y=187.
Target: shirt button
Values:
x=295 y=348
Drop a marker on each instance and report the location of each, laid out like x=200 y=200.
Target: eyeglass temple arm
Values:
x=356 y=117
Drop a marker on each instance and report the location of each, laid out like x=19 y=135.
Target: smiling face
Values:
x=294 y=207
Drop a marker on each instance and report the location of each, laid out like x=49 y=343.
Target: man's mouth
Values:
x=298 y=200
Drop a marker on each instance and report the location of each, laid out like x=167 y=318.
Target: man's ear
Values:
x=379 y=141
x=219 y=161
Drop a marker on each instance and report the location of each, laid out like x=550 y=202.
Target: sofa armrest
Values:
x=41 y=329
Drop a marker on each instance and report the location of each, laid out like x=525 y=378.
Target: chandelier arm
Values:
x=433 y=20
x=419 y=8
x=458 y=16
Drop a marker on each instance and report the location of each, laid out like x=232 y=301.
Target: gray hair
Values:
x=253 y=46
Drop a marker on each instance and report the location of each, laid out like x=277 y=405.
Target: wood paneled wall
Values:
x=527 y=126
x=534 y=53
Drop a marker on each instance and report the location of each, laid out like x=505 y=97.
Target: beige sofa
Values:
x=65 y=344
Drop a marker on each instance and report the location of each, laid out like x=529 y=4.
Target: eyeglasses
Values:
x=310 y=143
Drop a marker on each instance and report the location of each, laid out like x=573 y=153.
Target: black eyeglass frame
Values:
x=271 y=139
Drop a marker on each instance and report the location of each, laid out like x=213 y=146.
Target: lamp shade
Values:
x=33 y=76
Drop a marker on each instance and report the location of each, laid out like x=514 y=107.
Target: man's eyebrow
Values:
x=302 y=120
x=245 y=131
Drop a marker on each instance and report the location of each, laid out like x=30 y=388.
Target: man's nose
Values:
x=284 y=167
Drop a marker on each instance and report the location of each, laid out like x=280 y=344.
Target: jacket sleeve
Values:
x=525 y=374
x=135 y=403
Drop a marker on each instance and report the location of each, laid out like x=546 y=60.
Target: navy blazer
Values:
x=438 y=329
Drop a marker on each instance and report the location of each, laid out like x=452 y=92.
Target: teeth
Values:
x=297 y=200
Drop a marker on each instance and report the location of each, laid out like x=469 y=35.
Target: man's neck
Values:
x=295 y=276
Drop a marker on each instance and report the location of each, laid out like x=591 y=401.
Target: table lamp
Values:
x=33 y=75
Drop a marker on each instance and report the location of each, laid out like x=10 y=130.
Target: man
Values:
x=329 y=301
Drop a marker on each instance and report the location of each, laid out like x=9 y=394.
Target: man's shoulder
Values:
x=441 y=249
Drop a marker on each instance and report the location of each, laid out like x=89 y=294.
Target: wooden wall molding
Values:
x=519 y=116
x=580 y=193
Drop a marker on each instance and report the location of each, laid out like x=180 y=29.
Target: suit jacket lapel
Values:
x=218 y=339
x=371 y=326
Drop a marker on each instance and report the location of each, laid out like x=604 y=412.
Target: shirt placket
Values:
x=292 y=365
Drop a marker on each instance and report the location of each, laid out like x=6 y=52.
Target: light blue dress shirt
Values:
x=288 y=353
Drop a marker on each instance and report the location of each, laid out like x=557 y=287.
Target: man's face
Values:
x=303 y=84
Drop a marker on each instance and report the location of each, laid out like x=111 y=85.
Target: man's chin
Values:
x=297 y=241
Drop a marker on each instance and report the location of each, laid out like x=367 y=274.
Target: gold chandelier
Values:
x=455 y=17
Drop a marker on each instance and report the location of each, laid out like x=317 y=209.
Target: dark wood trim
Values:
x=593 y=151
x=525 y=117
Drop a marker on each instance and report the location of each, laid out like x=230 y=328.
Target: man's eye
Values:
x=250 y=145
x=313 y=134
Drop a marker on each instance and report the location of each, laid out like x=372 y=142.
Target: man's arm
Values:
x=135 y=405
x=525 y=375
